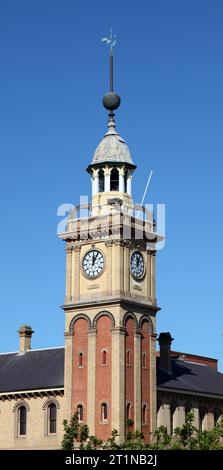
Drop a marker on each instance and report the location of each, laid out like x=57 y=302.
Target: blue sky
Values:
x=169 y=73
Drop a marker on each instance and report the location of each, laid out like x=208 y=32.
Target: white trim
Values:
x=38 y=390
x=31 y=350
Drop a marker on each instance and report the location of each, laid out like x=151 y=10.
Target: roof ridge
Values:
x=32 y=350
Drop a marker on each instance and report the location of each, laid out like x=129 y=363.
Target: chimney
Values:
x=25 y=334
x=165 y=341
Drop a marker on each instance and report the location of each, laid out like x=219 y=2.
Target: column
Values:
x=68 y=370
x=153 y=388
x=129 y=184
x=96 y=178
x=205 y=422
x=118 y=381
x=210 y=420
x=107 y=173
x=91 y=380
x=153 y=277
x=179 y=416
x=137 y=381
x=195 y=411
x=69 y=249
x=148 y=275
x=121 y=179
x=76 y=273
x=166 y=416
x=126 y=268
x=117 y=267
x=93 y=185
x=108 y=245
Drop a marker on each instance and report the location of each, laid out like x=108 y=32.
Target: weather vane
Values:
x=110 y=41
x=111 y=100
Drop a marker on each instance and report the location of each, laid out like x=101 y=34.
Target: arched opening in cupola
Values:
x=114 y=182
x=101 y=180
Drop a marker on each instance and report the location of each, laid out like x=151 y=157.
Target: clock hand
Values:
x=94 y=258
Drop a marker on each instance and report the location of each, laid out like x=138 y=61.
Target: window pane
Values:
x=22 y=420
x=104 y=357
x=80 y=412
x=101 y=181
x=128 y=358
x=128 y=411
x=80 y=359
x=114 y=180
x=104 y=412
x=52 y=418
x=144 y=414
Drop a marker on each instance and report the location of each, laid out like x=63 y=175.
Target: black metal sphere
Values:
x=111 y=101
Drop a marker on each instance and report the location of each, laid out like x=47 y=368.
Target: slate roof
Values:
x=33 y=370
x=112 y=148
x=44 y=369
x=192 y=377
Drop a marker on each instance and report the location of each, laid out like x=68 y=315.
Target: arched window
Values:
x=144 y=414
x=104 y=358
x=22 y=420
x=128 y=358
x=188 y=408
x=80 y=360
x=172 y=411
x=125 y=180
x=217 y=414
x=101 y=177
x=114 y=180
x=128 y=411
x=104 y=412
x=80 y=413
x=52 y=418
x=201 y=416
x=144 y=360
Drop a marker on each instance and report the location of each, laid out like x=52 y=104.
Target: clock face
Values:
x=93 y=263
x=137 y=265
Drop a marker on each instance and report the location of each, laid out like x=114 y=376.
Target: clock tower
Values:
x=110 y=304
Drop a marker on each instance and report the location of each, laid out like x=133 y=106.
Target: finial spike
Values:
x=111 y=100
x=111 y=42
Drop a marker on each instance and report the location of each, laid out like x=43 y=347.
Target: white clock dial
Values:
x=137 y=264
x=93 y=263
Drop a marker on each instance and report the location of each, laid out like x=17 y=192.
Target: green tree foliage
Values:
x=187 y=437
